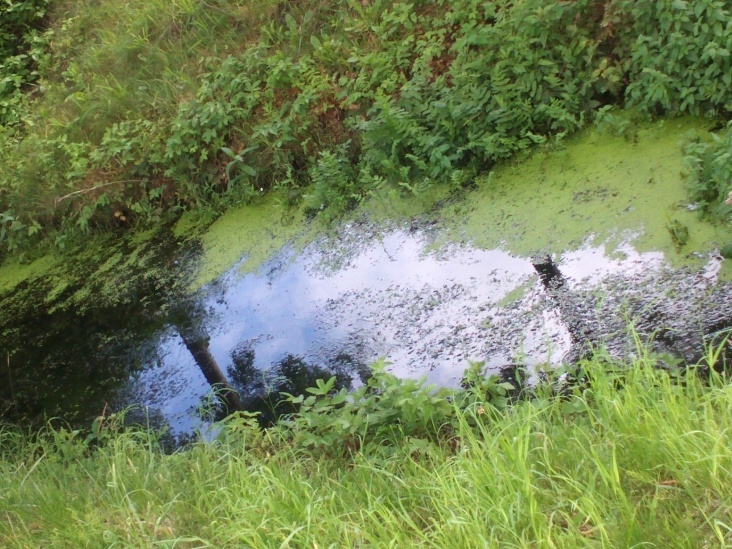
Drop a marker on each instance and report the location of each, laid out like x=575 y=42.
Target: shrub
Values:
x=19 y=52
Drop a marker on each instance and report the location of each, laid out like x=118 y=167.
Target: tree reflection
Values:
x=264 y=391
x=188 y=318
x=580 y=332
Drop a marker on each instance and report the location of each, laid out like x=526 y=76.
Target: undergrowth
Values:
x=627 y=457
x=710 y=173
x=20 y=48
x=136 y=113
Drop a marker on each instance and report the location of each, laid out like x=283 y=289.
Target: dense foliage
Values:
x=710 y=174
x=19 y=50
x=152 y=108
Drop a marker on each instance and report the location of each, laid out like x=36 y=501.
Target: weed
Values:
x=709 y=173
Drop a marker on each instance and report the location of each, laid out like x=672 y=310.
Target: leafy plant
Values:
x=388 y=409
x=20 y=50
x=163 y=107
x=334 y=184
x=679 y=233
x=709 y=173
x=679 y=58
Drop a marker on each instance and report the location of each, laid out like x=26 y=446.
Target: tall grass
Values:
x=637 y=458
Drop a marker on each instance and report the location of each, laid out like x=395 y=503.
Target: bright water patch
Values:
x=427 y=311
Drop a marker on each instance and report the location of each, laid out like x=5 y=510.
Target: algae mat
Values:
x=592 y=189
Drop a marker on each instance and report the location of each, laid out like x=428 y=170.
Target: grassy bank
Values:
x=628 y=459
x=115 y=115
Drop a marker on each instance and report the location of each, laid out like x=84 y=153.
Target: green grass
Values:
x=638 y=458
x=149 y=109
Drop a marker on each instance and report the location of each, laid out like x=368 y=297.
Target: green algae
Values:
x=253 y=232
x=596 y=188
x=392 y=206
x=56 y=290
x=517 y=293
x=256 y=232
x=192 y=223
x=113 y=263
x=142 y=237
x=13 y=273
x=107 y=271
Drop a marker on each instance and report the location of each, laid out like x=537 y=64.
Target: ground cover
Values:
x=631 y=456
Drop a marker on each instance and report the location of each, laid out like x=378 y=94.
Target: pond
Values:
x=429 y=294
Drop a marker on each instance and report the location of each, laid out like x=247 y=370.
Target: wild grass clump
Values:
x=148 y=108
x=631 y=456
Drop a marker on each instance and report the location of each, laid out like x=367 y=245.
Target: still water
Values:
x=333 y=309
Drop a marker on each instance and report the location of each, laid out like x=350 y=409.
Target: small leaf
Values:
x=291 y=23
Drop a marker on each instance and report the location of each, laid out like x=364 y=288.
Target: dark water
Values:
x=331 y=310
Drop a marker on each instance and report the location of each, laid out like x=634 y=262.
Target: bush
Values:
x=680 y=56
x=19 y=53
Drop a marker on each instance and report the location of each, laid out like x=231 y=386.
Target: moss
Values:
x=596 y=187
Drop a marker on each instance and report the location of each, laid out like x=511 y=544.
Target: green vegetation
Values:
x=136 y=113
x=253 y=232
x=20 y=48
x=710 y=167
x=596 y=187
x=130 y=115
x=624 y=457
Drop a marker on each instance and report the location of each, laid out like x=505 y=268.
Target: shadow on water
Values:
x=329 y=311
x=144 y=343
x=65 y=355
